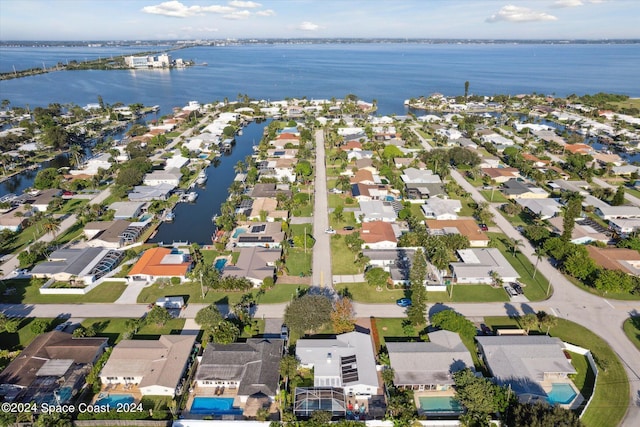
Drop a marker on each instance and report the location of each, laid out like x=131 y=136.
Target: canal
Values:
x=193 y=220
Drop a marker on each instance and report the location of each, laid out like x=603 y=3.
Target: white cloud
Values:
x=567 y=3
x=176 y=9
x=266 y=12
x=308 y=26
x=511 y=13
x=246 y=4
x=237 y=15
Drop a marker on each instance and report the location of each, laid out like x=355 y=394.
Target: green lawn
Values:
x=71 y=233
x=363 y=292
x=280 y=293
x=113 y=328
x=536 y=287
x=342 y=258
x=348 y=218
x=391 y=329
x=27 y=293
x=22 y=338
x=612 y=295
x=611 y=397
x=498 y=197
x=19 y=241
x=585 y=378
x=298 y=262
x=72 y=205
x=416 y=210
x=631 y=328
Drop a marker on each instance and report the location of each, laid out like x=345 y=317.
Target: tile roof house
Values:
x=51 y=361
x=268 y=205
x=346 y=361
x=160 y=263
x=579 y=148
x=363 y=176
x=155 y=367
x=524 y=363
x=466 y=227
x=477 y=264
x=254 y=263
x=429 y=365
x=252 y=367
x=378 y=235
x=622 y=259
x=501 y=175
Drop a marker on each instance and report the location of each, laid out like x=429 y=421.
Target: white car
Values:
x=336 y=191
x=330 y=231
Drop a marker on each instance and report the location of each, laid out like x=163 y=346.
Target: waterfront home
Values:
x=175 y=162
x=281 y=169
x=439 y=208
x=169 y=176
x=607 y=212
x=41 y=200
x=584 y=232
x=264 y=234
x=254 y=263
x=285 y=140
x=621 y=259
x=14 y=219
x=346 y=361
x=464 y=226
x=126 y=210
x=501 y=175
x=625 y=170
x=78 y=265
x=148 y=193
x=476 y=265
x=287 y=153
x=429 y=365
x=150 y=367
x=93 y=165
x=160 y=263
x=379 y=235
x=535 y=161
x=113 y=234
x=246 y=369
x=541 y=208
x=528 y=365
x=267 y=206
x=53 y=366
x=578 y=149
x=270 y=190
x=376 y=210
x=514 y=189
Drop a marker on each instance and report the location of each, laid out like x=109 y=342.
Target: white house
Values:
x=616 y=212
x=93 y=165
x=477 y=265
x=375 y=210
x=437 y=208
x=169 y=176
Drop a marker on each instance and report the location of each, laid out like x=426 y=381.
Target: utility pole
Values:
x=305 y=239
x=201 y=285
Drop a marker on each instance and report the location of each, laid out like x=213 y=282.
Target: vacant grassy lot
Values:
x=494 y=196
x=390 y=329
x=23 y=337
x=363 y=292
x=298 y=262
x=631 y=327
x=27 y=293
x=342 y=259
x=113 y=328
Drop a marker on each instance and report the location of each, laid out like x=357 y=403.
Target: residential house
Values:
x=625 y=226
x=501 y=175
x=351 y=146
x=251 y=368
x=160 y=263
x=526 y=364
x=359 y=154
x=78 y=265
x=376 y=210
x=541 y=208
x=154 y=367
x=499 y=141
x=264 y=234
x=464 y=226
x=148 y=193
x=270 y=190
x=346 y=361
x=397 y=262
x=288 y=153
x=608 y=213
x=622 y=259
x=578 y=149
x=417 y=176
x=625 y=169
x=514 y=189
x=113 y=234
x=429 y=365
x=126 y=210
x=584 y=232
x=93 y=165
x=170 y=176
x=424 y=191
x=580 y=187
x=53 y=361
x=378 y=235
x=14 y=219
x=364 y=192
x=477 y=265
x=537 y=163
x=365 y=177
x=254 y=263
x=438 y=208
x=40 y=201
x=267 y=206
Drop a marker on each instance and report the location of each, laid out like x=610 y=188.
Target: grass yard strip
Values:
x=631 y=328
x=26 y=292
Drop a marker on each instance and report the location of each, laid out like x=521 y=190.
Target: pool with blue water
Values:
x=205 y=405
x=219 y=264
x=114 y=399
x=561 y=394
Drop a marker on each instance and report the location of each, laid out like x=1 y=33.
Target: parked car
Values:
x=483 y=227
x=348 y=227
x=485 y=329
x=404 y=302
x=516 y=287
x=330 y=231
x=510 y=291
x=336 y=191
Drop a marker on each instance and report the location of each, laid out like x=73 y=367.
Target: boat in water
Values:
x=192 y=196
x=202 y=178
x=169 y=216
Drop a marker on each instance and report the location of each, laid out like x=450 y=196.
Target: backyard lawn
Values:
x=631 y=327
x=363 y=292
x=611 y=397
x=391 y=329
x=23 y=337
x=27 y=293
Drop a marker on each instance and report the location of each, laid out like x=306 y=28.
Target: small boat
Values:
x=169 y=217
x=213 y=218
x=192 y=196
x=202 y=177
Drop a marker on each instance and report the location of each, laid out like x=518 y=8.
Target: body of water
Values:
x=193 y=221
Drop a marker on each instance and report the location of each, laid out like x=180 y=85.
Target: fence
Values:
x=592 y=363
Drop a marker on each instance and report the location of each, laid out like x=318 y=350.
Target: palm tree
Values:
x=516 y=244
x=495 y=278
x=539 y=253
x=76 y=154
x=51 y=225
x=528 y=321
x=547 y=320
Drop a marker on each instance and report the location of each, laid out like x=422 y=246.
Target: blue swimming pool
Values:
x=220 y=263
x=214 y=405
x=145 y=217
x=238 y=232
x=440 y=404
x=561 y=394
x=114 y=399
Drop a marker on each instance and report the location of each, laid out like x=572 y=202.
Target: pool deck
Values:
x=119 y=389
x=577 y=401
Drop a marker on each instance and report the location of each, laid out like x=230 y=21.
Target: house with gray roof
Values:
x=113 y=234
x=126 y=210
x=477 y=264
x=147 y=193
x=616 y=212
x=252 y=367
x=376 y=210
x=153 y=367
x=527 y=364
x=397 y=262
x=170 y=176
x=542 y=208
x=439 y=208
x=429 y=365
x=264 y=234
x=514 y=189
x=254 y=263
x=346 y=361
x=78 y=265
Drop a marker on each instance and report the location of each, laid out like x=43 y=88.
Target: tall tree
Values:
x=466 y=91
x=572 y=211
x=342 y=316
x=618 y=199
x=417 y=276
x=308 y=313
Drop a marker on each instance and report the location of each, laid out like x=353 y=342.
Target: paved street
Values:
x=322 y=249
x=630 y=199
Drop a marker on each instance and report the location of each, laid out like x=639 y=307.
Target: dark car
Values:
x=404 y=302
x=516 y=287
x=348 y=227
x=483 y=227
x=485 y=329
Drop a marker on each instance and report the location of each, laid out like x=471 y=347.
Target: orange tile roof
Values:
x=377 y=231
x=578 y=148
x=351 y=145
x=287 y=136
x=466 y=227
x=362 y=175
x=609 y=257
x=496 y=172
x=532 y=158
x=150 y=263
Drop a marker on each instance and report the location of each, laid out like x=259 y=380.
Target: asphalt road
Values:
x=322 y=275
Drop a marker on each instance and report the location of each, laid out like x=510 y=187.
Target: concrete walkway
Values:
x=349 y=278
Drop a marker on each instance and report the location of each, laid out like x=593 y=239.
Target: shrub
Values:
x=175 y=280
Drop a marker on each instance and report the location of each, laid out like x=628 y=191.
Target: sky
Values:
x=231 y=19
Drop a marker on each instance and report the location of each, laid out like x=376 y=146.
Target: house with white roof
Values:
x=170 y=176
x=438 y=208
x=126 y=210
x=542 y=208
x=625 y=226
x=616 y=212
x=346 y=361
x=418 y=176
x=375 y=210
x=93 y=165
x=477 y=264
x=147 y=193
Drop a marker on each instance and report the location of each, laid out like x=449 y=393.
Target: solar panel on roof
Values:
x=258 y=228
x=349 y=369
x=278 y=153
